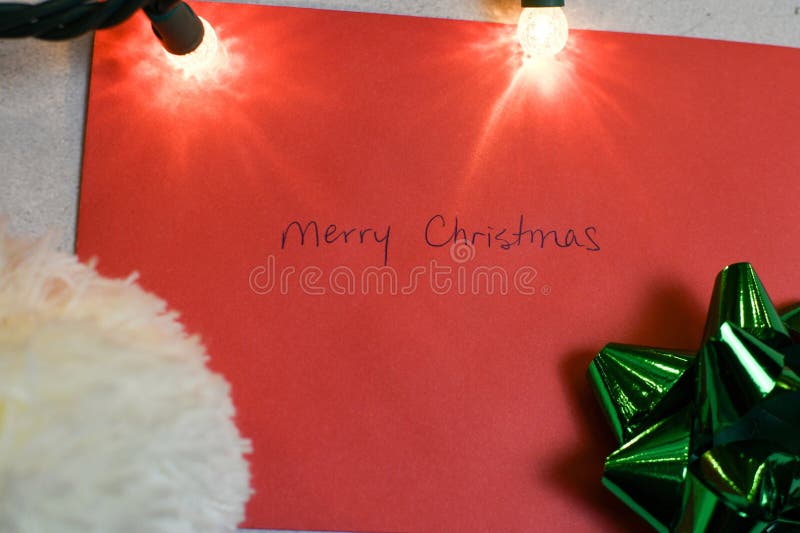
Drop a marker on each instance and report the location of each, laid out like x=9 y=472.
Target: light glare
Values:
x=205 y=61
x=542 y=31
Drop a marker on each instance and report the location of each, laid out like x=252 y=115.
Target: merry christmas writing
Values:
x=440 y=231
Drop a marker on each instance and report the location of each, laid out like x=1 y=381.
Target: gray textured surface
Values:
x=43 y=85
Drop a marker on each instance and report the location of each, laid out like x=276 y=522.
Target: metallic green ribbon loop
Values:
x=710 y=441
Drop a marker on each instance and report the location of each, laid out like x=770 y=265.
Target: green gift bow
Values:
x=710 y=441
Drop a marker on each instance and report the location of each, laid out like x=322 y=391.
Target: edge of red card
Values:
x=621 y=176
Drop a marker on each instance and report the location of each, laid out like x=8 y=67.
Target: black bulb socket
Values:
x=178 y=28
x=542 y=3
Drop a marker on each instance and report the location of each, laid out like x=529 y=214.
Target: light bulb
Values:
x=542 y=31
x=204 y=61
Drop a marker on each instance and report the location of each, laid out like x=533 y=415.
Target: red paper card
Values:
x=603 y=192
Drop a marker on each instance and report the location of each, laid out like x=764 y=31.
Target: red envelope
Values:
x=306 y=209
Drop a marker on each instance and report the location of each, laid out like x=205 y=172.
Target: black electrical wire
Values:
x=174 y=23
x=56 y=20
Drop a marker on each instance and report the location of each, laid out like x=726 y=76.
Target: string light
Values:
x=178 y=28
x=205 y=60
x=173 y=21
x=190 y=43
x=543 y=29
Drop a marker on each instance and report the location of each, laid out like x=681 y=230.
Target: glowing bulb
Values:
x=542 y=31
x=204 y=61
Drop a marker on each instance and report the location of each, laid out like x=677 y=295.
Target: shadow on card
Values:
x=671 y=319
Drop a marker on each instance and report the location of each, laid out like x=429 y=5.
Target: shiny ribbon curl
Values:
x=710 y=441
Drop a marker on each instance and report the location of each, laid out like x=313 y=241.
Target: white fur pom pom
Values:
x=110 y=420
